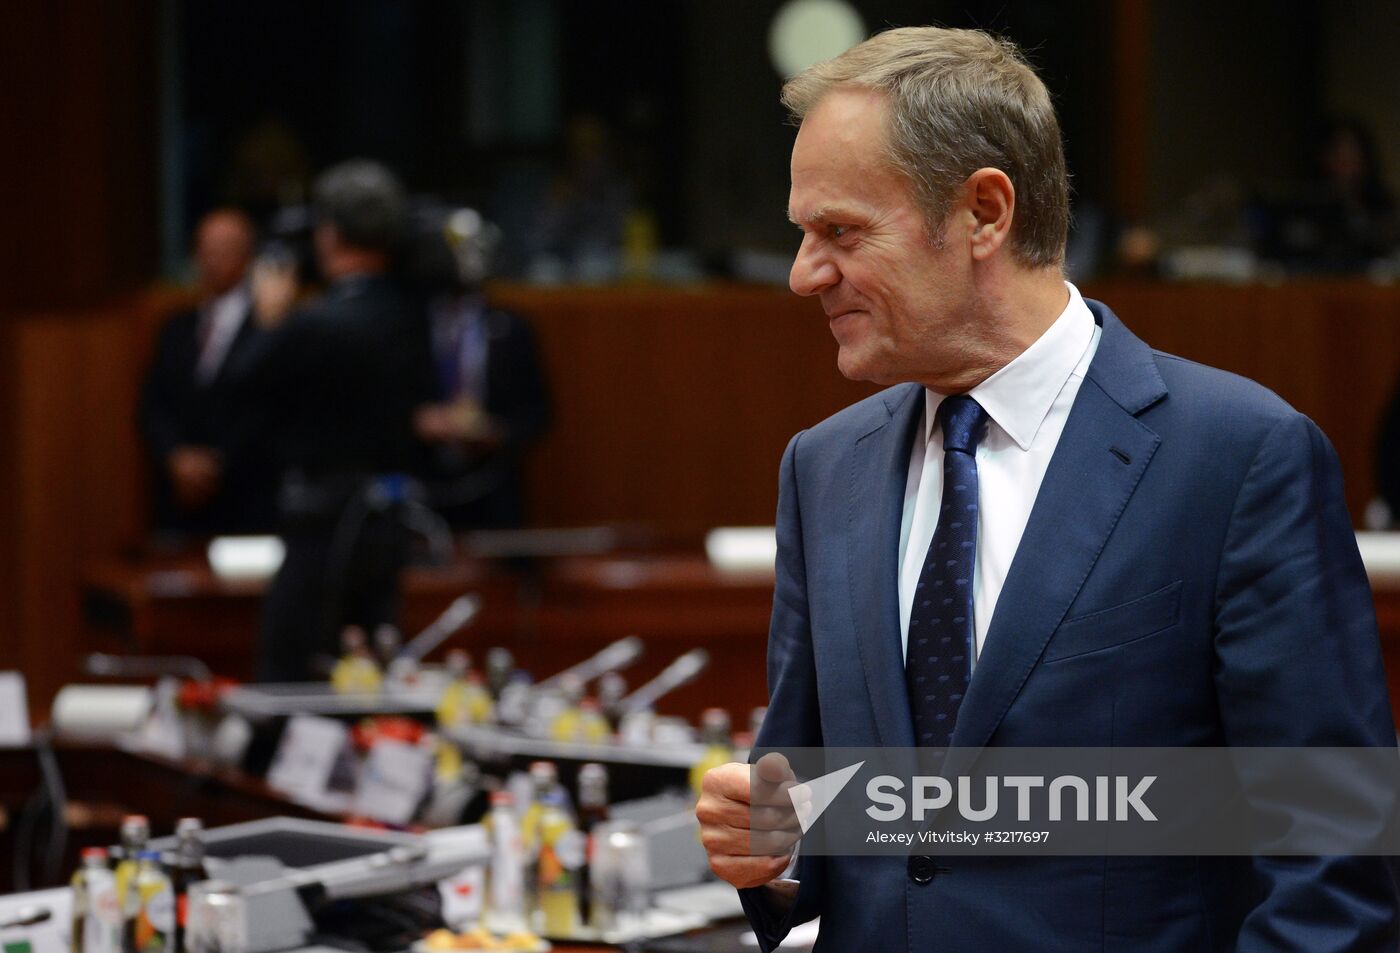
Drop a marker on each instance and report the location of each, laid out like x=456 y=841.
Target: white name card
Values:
x=463 y=897
x=14 y=710
x=306 y=755
x=395 y=778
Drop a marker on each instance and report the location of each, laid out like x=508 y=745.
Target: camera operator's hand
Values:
x=274 y=289
x=749 y=829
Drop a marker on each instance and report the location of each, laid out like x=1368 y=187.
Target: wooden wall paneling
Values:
x=672 y=408
x=1132 y=43
x=75 y=470
x=654 y=388
x=10 y=618
x=78 y=93
x=1331 y=349
x=675 y=407
x=1360 y=370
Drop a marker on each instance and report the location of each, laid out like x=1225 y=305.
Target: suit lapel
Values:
x=241 y=339
x=1101 y=457
x=879 y=474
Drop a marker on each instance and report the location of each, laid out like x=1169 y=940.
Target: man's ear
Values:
x=991 y=199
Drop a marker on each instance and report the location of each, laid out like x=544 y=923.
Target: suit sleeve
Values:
x=793 y=719
x=1299 y=664
x=157 y=412
x=523 y=398
x=262 y=379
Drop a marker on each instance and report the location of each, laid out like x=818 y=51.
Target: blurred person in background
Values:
x=492 y=402
x=580 y=227
x=1342 y=217
x=204 y=478
x=338 y=382
x=269 y=170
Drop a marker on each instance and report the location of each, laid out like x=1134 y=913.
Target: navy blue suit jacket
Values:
x=1177 y=491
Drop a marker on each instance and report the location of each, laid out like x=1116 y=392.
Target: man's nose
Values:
x=812 y=270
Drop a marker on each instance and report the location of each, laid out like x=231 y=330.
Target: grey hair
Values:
x=960 y=100
x=365 y=202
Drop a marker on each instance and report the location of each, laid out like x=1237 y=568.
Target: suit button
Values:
x=921 y=869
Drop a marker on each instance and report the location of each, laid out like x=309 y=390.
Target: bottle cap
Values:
x=352 y=637
x=148 y=855
x=571 y=687
x=188 y=825
x=502 y=799
x=94 y=853
x=387 y=638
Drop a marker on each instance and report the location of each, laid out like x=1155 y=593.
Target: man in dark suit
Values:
x=492 y=401
x=205 y=478
x=338 y=383
x=1043 y=534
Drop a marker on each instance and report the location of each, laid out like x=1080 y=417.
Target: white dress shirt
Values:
x=1028 y=402
x=461 y=345
x=220 y=321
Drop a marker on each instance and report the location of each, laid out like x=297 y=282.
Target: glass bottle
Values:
x=154 y=924
x=356 y=673
x=135 y=834
x=561 y=852
x=714 y=735
x=592 y=812
x=188 y=869
x=505 y=876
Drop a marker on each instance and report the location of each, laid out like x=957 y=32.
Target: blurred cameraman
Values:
x=492 y=402
x=338 y=382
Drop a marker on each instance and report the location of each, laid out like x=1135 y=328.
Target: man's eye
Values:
x=839 y=231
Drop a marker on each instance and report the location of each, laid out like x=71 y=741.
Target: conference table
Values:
x=103 y=782
x=549 y=610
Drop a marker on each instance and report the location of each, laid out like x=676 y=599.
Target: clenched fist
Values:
x=749 y=830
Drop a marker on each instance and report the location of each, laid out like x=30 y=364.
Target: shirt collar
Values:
x=1019 y=396
x=355 y=284
x=457 y=308
x=238 y=297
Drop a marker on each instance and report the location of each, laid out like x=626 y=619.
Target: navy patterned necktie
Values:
x=938 y=656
